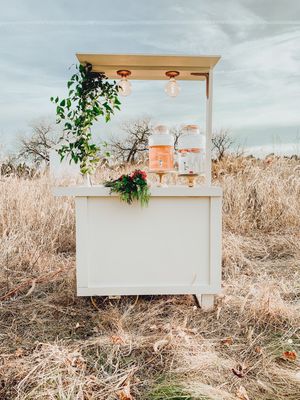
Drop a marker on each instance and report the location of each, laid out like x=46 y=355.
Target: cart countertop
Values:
x=170 y=191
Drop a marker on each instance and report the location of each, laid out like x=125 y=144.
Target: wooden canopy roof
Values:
x=150 y=67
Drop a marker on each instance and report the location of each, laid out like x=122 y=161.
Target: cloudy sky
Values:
x=256 y=87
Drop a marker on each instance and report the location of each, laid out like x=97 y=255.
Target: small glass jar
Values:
x=191 y=151
x=161 y=150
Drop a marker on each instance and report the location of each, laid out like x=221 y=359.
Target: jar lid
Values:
x=161 y=129
x=191 y=138
x=161 y=136
x=191 y=128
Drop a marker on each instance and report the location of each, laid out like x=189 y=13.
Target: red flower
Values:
x=140 y=174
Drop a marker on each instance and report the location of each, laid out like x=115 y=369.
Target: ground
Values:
x=55 y=345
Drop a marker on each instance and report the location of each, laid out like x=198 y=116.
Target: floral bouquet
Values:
x=131 y=187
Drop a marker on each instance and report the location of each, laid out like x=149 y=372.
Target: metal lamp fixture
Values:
x=172 y=88
x=124 y=84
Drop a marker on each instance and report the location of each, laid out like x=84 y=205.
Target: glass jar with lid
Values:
x=161 y=150
x=191 y=151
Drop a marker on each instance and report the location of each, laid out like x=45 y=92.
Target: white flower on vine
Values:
x=72 y=139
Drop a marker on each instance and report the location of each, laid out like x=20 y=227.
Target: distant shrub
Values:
x=20 y=170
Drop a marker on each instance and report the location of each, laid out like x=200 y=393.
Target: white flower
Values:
x=72 y=139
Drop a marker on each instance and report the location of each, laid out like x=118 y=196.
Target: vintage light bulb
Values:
x=124 y=84
x=125 y=87
x=172 y=88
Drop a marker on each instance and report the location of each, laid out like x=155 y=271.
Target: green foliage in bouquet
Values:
x=131 y=187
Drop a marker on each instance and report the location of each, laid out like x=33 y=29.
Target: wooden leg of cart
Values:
x=206 y=301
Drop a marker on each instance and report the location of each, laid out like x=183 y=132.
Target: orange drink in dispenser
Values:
x=161 y=150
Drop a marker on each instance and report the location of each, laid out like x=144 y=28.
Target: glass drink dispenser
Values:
x=191 y=151
x=161 y=150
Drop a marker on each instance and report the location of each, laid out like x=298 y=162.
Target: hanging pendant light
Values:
x=124 y=84
x=172 y=88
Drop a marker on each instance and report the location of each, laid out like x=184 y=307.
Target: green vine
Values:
x=90 y=96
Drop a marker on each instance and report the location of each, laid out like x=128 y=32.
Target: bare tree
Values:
x=131 y=148
x=36 y=147
x=221 y=143
x=176 y=131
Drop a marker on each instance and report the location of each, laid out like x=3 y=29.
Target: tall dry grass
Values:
x=57 y=346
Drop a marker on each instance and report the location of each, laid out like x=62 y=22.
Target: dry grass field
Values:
x=54 y=345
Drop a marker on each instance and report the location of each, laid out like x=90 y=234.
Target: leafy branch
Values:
x=90 y=96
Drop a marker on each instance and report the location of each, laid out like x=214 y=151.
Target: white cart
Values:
x=171 y=247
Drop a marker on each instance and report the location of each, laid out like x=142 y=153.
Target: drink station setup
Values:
x=172 y=246
x=191 y=153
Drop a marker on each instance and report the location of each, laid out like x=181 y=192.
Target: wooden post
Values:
x=82 y=228
x=206 y=301
x=208 y=128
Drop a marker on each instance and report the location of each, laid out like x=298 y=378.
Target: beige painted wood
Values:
x=82 y=257
x=209 y=131
x=215 y=240
x=206 y=301
x=149 y=67
x=170 y=247
x=100 y=190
